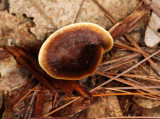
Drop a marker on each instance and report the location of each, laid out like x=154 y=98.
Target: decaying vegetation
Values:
x=129 y=73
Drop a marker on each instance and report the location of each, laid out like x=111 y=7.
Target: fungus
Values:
x=74 y=51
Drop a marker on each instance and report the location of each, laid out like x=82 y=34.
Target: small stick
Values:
x=131 y=49
x=154 y=66
x=117 y=65
x=131 y=88
x=35 y=88
x=152 y=97
x=123 y=58
x=138 y=6
x=79 y=11
x=126 y=47
x=144 y=77
x=115 y=89
x=30 y=107
x=152 y=6
x=105 y=12
x=111 y=94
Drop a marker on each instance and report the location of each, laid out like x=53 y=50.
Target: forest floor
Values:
x=126 y=83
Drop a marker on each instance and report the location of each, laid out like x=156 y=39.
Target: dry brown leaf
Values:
x=152 y=35
x=146 y=103
x=47 y=13
x=106 y=107
x=11 y=75
x=154 y=112
x=15 y=30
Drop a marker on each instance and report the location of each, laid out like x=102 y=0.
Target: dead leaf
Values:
x=63 y=12
x=146 y=103
x=11 y=75
x=152 y=35
x=154 y=112
x=14 y=30
x=106 y=107
x=8 y=113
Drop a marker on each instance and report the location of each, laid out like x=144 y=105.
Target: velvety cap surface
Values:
x=74 y=51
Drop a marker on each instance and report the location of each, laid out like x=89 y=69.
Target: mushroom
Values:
x=74 y=51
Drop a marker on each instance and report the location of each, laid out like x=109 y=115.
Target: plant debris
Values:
x=126 y=84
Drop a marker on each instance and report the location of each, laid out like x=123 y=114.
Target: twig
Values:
x=105 y=12
x=154 y=66
x=117 y=65
x=39 y=104
x=152 y=6
x=126 y=47
x=123 y=58
x=144 y=77
x=109 y=94
x=139 y=5
x=129 y=23
x=31 y=64
x=79 y=11
x=136 y=82
x=30 y=107
x=152 y=97
x=131 y=49
x=131 y=88
x=36 y=87
x=115 y=94
x=63 y=106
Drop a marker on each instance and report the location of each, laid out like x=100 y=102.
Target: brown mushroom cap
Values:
x=74 y=51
